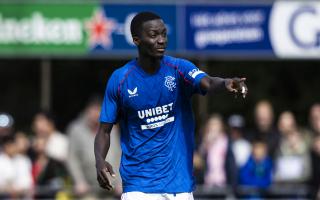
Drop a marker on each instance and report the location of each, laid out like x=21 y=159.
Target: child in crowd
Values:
x=257 y=172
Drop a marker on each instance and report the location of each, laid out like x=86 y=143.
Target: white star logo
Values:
x=99 y=29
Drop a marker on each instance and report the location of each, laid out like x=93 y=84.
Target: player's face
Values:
x=153 y=39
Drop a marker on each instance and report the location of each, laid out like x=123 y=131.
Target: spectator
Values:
x=264 y=126
x=257 y=172
x=23 y=162
x=293 y=151
x=57 y=144
x=22 y=142
x=15 y=178
x=315 y=156
x=49 y=175
x=221 y=167
x=81 y=158
x=314 y=118
x=240 y=146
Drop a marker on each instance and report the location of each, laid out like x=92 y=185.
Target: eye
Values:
x=152 y=34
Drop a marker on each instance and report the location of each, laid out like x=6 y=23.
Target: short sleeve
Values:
x=110 y=105
x=192 y=75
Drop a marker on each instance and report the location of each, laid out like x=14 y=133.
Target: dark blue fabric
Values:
x=257 y=174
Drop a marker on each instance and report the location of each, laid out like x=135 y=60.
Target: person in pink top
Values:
x=221 y=167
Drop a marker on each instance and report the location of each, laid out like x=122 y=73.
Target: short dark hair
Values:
x=139 y=19
x=259 y=140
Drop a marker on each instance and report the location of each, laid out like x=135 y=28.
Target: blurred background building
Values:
x=56 y=55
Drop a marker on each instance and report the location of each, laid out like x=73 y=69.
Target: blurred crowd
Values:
x=280 y=153
x=49 y=164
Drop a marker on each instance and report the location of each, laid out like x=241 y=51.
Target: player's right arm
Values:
x=213 y=84
x=101 y=148
x=203 y=83
x=108 y=117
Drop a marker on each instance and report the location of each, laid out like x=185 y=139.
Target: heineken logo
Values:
x=37 y=29
x=40 y=30
x=66 y=28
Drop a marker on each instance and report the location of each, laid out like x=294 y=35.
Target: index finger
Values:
x=110 y=170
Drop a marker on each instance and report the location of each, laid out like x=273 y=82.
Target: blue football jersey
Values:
x=157 y=124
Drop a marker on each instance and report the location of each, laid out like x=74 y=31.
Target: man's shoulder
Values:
x=4 y=159
x=171 y=60
x=121 y=72
x=22 y=160
x=177 y=62
x=3 y=156
x=58 y=136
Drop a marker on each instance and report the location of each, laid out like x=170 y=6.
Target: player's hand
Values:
x=237 y=86
x=103 y=169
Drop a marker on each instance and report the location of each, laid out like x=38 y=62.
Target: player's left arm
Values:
x=213 y=84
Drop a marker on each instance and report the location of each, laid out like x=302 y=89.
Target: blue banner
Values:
x=228 y=28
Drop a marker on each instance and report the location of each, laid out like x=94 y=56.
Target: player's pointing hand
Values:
x=237 y=85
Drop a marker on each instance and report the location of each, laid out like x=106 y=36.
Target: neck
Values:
x=149 y=64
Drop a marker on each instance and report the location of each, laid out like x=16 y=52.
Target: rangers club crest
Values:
x=170 y=83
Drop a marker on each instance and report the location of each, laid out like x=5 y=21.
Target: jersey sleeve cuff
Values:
x=197 y=83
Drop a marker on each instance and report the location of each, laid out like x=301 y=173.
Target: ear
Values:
x=136 y=40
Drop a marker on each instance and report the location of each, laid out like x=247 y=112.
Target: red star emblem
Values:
x=99 y=29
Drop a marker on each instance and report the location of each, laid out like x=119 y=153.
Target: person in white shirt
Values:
x=15 y=168
x=240 y=146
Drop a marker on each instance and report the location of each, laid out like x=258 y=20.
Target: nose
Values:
x=162 y=40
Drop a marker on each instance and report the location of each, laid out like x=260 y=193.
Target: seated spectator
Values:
x=221 y=167
x=15 y=170
x=292 y=158
x=257 y=172
x=49 y=175
x=240 y=146
x=57 y=143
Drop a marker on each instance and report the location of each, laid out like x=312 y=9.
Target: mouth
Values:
x=160 y=50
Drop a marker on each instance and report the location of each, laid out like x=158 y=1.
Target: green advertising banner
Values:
x=44 y=29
